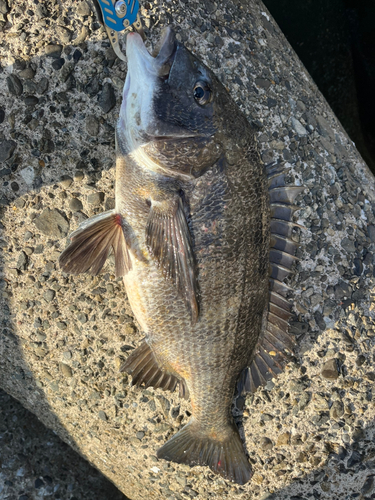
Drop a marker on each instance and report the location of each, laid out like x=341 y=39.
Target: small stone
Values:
x=371 y=232
x=358 y=435
x=27 y=73
x=348 y=245
x=92 y=125
x=283 y=439
x=367 y=485
x=265 y=443
x=6 y=150
x=3 y=7
x=67 y=355
x=53 y=51
x=49 y=295
x=107 y=98
x=109 y=203
x=22 y=261
x=66 y=181
x=77 y=54
x=330 y=369
x=354 y=459
x=262 y=83
x=83 y=9
x=58 y=63
x=52 y=223
x=63 y=35
x=343 y=290
x=61 y=325
x=75 y=204
x=28 y=175
x=66 y=71
x=360 y=360
x=323 y=128
x=14 y=85
x=66 y=370
x=95 y=198
x=102 y=415
x=300 y=457
x=298 y=127
x=82 y=317
x=38 y=483
x=78 y=175
x=140 y=435
x=42 y=85
x=337 y=410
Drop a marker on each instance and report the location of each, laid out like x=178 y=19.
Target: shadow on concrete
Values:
x=35 y=463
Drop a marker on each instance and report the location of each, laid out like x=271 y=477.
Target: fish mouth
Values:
x=158 y=62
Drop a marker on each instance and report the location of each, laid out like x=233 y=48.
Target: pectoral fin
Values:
x=169 y=242
x=91 y=244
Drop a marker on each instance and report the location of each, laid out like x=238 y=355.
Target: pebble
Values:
x=107 y=98
x=66 y=181
x=265 y=443
x=58 y=63
x=102 y=415
x=3 y=7
x=7 y=149
x=78 y=175
x=27 y=73
x=49 y=295
x=336 y=410
x=367 y=485
x=66 y=370
x=283 y=439
x=298 y=127
x=95 y=198
x=52 y=223
x=92 y=125
x=330 y=369
x=75 y=204
x=15 y=86
x=53 y=51
x=83 y=9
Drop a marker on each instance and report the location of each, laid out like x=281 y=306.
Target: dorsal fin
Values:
x=274 y=342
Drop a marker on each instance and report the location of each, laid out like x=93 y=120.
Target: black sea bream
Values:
x=191 y=236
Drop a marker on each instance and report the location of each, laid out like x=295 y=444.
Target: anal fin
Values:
x=144 y=368
x=91 y=244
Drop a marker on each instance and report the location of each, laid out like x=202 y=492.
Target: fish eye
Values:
x=202 y=93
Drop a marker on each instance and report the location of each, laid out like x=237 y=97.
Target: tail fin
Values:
x=225 y=457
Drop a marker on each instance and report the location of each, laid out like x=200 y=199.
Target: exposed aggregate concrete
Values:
x=310 y=433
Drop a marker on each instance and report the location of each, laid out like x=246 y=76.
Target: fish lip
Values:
x=160 y=61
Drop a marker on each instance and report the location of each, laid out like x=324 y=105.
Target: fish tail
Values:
x=192 y=446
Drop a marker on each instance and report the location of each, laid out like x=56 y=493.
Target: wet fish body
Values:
x=191 y=237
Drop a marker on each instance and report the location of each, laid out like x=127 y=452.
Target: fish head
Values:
x=174 y=116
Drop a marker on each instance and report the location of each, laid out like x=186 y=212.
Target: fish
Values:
x=202 y=235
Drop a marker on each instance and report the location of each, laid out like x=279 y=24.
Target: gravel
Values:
x=310 y=432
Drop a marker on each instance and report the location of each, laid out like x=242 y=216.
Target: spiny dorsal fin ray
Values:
x=285 y=194
x=274 y=341
x=92 y=242
x=283 y=227
x=284 y=244
x=169 y=242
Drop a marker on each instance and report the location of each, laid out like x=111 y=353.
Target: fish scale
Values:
x=191 y=232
